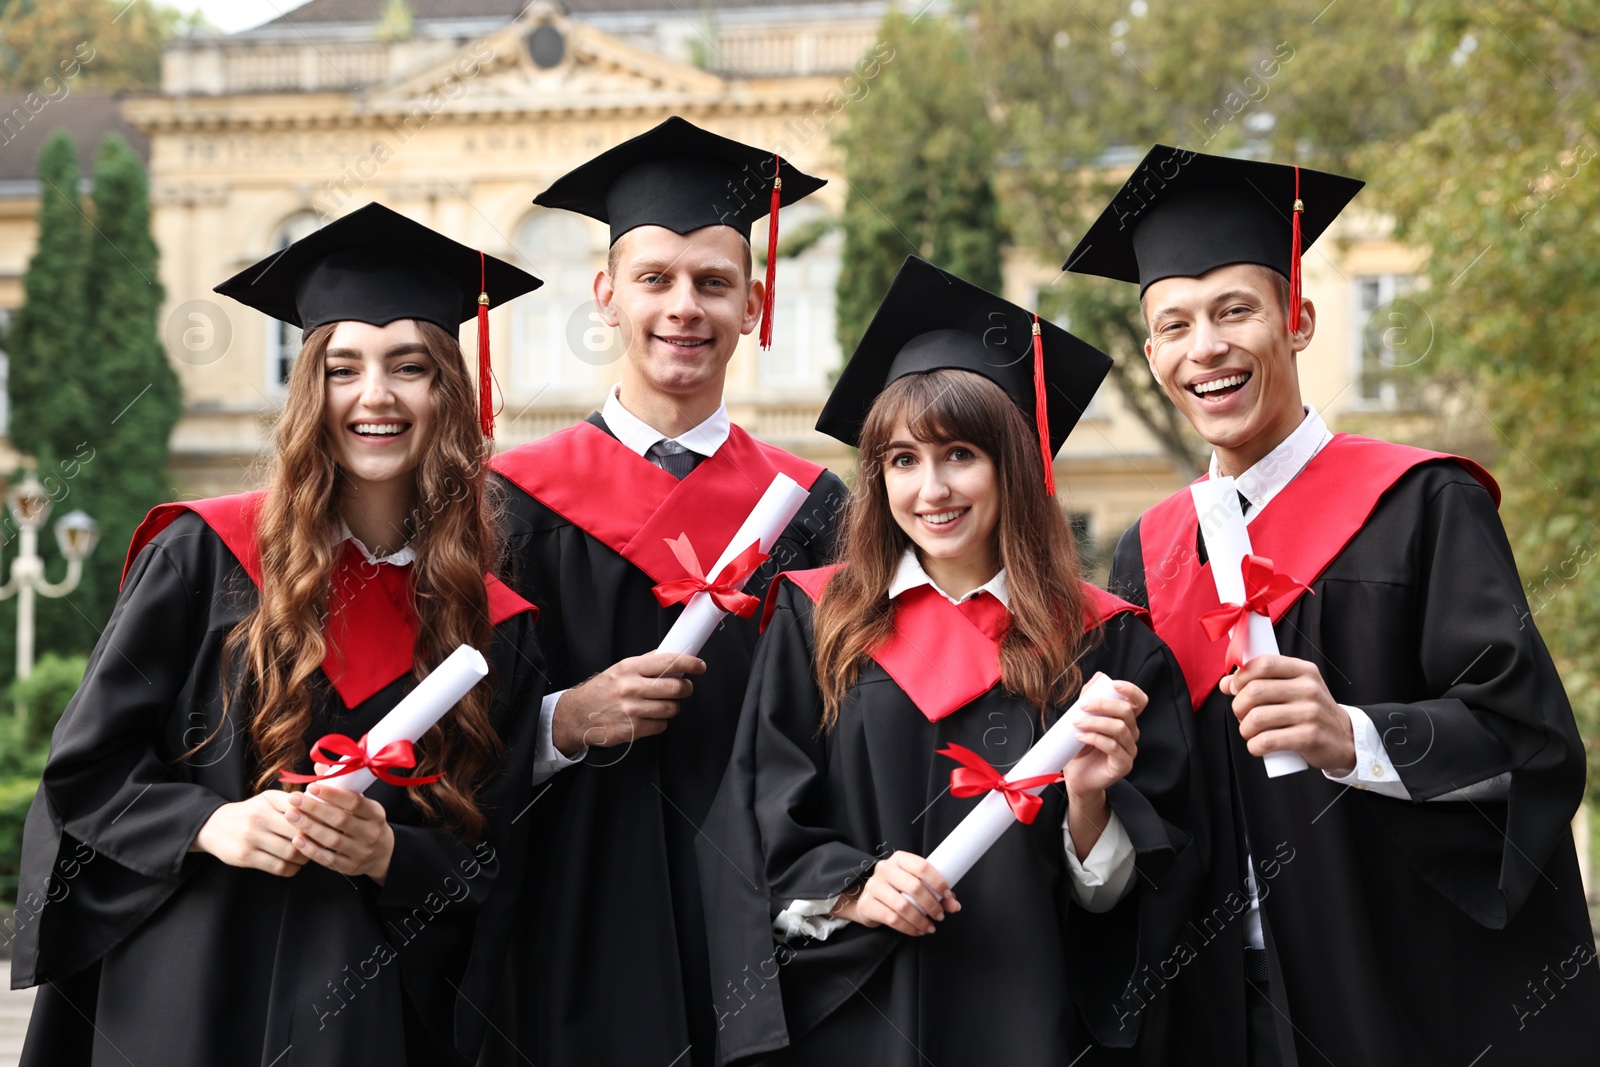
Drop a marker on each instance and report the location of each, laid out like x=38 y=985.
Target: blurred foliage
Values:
x=919 y=159
x=16 y=794
x=1503 y=186
x=43 y=696
x=24 y=744
x=106 y=44
x=93 y=396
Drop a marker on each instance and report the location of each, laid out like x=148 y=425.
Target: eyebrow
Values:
x=658 y=266
x=1221 y=298
x=408 y=348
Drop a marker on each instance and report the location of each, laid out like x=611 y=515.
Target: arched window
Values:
x=557 y=334
x=283 y=340
x=805 y=350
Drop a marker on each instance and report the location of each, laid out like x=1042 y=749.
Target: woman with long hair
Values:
x=956 y=618
x=193 y=911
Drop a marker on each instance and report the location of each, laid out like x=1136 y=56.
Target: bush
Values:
x=15 y=796
x=44 y=695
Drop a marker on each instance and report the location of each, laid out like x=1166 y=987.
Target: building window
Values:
x=1386 y=343
x=557 y=333
x=283 y=340
x=805 y=347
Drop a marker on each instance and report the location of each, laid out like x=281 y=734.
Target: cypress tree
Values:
x=133 y=395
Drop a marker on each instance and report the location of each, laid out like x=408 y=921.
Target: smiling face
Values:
x=682 y=301
x=1221 y=348
x=946 y=497
x=379 y=400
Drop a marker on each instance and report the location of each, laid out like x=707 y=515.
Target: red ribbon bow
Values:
x=331 y=748
x=977 y=776
x=724 y=589
x=1262 y=585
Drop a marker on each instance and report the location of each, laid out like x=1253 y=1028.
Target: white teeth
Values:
x=942 y=517
x=683 y=344
x=379 y=429
x=1220 y=383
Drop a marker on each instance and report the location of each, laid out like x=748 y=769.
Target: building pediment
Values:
x=542 y=59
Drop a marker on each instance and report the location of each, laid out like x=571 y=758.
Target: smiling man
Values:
x=1414 y=897
x=610 y=966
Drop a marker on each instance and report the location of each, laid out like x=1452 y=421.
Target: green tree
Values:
x=133 y=391
x=1503 y=188
x=919 y=153
x=1081 y=91
x=110 y=44
x=45 y=341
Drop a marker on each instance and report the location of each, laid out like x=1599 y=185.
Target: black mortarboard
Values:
x=931 y=320
x=375 y=265
x=1182 y=213
x=685 y=178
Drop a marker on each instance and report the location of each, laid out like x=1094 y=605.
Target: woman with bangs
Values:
x=956 y=618
x=193 y=911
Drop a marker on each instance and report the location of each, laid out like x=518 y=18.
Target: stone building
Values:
x=457 y=112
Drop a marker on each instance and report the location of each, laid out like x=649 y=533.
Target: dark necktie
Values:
x=673 y=458
x=1244 y=505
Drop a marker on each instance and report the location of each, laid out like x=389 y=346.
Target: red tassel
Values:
x=1294 y=258
x=1041 y=409
x=772 y=254
x=485 y=371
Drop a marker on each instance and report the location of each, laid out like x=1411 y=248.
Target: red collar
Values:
x=371 y=630
x=943 y=655
x=633 y=507
x=1340 y=487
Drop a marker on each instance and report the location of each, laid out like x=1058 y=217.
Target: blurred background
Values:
x=148 y=150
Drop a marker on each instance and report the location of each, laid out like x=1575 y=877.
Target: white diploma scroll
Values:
x=420 y=709
x=1227 y=539
x=984 y=824
x=776 y=509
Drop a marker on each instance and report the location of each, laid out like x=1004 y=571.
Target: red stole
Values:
x=633 y=507
x=1338 y=491
x=943 y=655
x=370 y=632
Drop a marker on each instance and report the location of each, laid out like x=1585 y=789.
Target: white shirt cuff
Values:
x=808 y=918
x=1375 y=772
x=1105 y=875
x=547 y=758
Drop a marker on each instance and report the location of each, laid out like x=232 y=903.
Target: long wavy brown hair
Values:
x=1039 y=653
x=279 y=645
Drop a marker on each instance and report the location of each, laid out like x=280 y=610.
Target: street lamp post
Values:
x=76 y=534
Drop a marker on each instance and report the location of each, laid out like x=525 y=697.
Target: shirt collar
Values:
x=405 y=556
x=638 y=435
x=909 y=574
x=1269 y=475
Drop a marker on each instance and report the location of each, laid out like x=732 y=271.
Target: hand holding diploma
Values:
x=1009 y=798
x=1243 y=615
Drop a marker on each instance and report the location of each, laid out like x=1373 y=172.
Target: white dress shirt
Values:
x=639 y=437
x=1373 y=771
x=1098 y=882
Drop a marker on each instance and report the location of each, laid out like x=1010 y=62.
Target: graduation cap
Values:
x=931 y=320
x=685 y=178
x=1182 y=213
x=376 y=266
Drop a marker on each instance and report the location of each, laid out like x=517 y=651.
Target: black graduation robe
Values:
x=1021 y=975
x=147 y=953
x=1399 y=932
x=609 y=965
